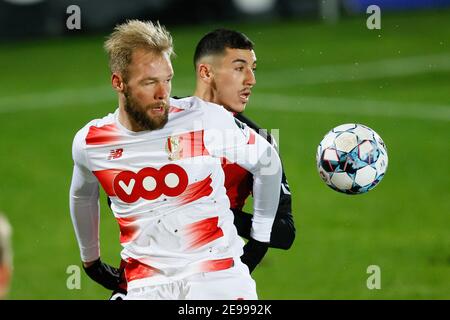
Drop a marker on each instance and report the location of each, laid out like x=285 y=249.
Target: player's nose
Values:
x=250 y=78
x=162 y=91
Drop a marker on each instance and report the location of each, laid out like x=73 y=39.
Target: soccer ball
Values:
x=352 y=158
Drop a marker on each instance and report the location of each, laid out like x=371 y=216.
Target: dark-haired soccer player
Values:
x=225 y=64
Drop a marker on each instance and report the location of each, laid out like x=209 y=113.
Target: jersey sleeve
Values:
x=227 y=137
x=283 y=231
x=84 y=204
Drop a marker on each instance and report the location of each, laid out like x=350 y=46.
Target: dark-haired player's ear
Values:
x=204 y=71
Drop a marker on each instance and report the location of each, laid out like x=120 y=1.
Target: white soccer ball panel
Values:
x=363 y=133
x=365 y=176
x=365 y=147
x=346 y=141
x=344 y=127
x=330 y=155
x=328 y=140
x=381 y=164
x=341 y=180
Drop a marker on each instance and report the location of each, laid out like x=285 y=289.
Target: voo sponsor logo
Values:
x=150 y=183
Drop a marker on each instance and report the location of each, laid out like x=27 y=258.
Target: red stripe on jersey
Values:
x=252 y=138
x=128 y=229
x=196 y=144
x=173 y=109
x=187 y=145
x=202 y=232
x=106 y=179
x=135 y=270
x=196 y=191
x=238 y=183
x=102 y=135
x=217 y=265
x=224 y=161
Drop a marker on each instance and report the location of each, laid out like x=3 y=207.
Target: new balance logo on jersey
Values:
x=150 y=183
x=115 y=154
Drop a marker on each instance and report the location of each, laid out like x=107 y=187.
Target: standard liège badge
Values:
x=174 y=147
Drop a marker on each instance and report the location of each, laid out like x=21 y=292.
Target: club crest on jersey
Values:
x=174 y=147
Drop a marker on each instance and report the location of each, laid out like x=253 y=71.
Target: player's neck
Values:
x=127 y=122
x=205 y=93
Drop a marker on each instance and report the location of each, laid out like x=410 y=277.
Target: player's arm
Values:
x=246 y=148
x=85 y=215
x=283 y=231
x=266 y=179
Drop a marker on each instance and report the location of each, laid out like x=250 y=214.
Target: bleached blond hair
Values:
x=132 y=35
x=5 y=241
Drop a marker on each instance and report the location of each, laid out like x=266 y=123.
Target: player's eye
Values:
x=239 y=69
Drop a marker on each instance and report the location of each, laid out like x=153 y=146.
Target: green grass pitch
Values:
x=311 y=77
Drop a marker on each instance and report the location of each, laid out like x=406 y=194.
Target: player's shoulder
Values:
x=181 y=103
x=196 y=104
x=93 y=125
x=212 y=116
x=244 y=119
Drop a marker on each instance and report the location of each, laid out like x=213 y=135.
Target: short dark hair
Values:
x=215 y=42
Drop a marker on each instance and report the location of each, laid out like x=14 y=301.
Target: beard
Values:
x=139 y=115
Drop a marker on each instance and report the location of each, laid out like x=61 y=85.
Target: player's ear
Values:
x=205 y=72
x=117 y=82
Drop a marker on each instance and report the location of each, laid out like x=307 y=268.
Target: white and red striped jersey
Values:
x=167 y=190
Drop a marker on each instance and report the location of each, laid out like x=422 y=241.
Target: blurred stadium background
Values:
x=318 y=66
